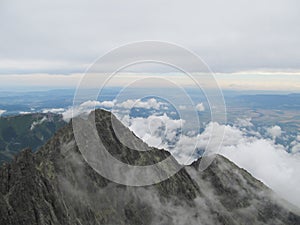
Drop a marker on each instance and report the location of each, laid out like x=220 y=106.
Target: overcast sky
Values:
x=64 y=37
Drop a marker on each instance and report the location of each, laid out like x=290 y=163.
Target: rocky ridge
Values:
x=56 y=185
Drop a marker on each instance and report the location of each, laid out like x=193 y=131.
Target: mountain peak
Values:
x=56 y=185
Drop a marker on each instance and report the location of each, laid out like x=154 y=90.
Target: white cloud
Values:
x=154 y=130
x=2 y=111
x=200 y=107
x=296 y=148
x=107 y=104
x=274 y=131
x=122 y=107
x=35 y=123
x=24 y=113
x=151 y=103
x=184 y=150
x=85 y=108
x=90 y=104
x=295 y=145
x=54 y=110
x=182 y=107
x=243 y=122
x=270 y=163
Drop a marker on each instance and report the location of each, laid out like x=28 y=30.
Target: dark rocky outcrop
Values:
x=55 y=185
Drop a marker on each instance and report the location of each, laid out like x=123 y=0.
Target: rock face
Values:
x=56 y=186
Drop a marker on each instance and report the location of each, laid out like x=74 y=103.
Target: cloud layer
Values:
x=229 y=36
x=262 y=157
x=124 y=106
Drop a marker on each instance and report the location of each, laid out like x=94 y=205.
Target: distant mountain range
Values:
x=29 y=130
x=55 y=185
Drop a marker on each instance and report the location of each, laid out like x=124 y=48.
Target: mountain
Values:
x=28 y=130
x=55 y=185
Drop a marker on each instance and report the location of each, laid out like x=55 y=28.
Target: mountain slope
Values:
x=56 y=186
x=29 y=130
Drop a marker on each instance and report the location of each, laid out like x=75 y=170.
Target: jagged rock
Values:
x=56 y=185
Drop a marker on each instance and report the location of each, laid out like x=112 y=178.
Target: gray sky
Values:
x=64 y=37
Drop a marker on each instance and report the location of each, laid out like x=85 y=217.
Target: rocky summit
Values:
x=55 y=185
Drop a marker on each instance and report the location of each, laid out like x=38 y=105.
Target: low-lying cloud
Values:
x=54 y=110
x=274 y=131
x=262 y=157
x=38 y=122
x=151 y=103
x=2 y=111
x=156 y=130
x=88 y=106
x=200 y=107
x=85 y=108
